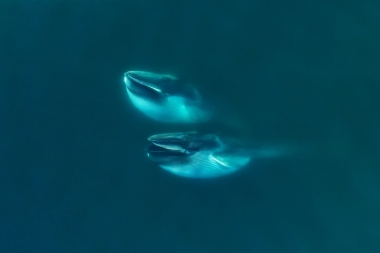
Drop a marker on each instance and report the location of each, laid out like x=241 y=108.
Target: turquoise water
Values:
x=73 y=173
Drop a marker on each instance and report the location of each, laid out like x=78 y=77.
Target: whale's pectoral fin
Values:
x=230 y=161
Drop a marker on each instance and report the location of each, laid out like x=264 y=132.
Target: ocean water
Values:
x=73 y=173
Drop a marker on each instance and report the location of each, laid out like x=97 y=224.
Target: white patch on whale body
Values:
x=173 y=109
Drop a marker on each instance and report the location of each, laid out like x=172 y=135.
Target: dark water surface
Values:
x=73 y=174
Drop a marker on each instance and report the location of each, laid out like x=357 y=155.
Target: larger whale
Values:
x=202 y=155
x=164 y=98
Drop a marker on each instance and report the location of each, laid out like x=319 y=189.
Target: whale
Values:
x=165 y=98
x=197 y=155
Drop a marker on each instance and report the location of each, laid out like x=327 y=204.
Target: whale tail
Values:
x=269 y=151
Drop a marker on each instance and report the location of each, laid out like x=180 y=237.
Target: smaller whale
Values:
x=196 y=155
x=164 y=98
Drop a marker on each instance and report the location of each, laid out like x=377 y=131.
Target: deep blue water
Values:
x=73 y=173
